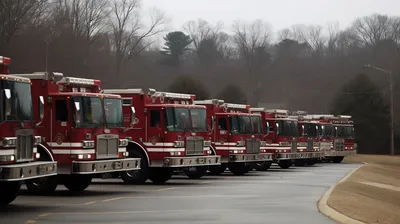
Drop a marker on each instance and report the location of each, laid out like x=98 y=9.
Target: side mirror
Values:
x=41 y=110
x=7 y=94
x=134 y=119
x=41 y=107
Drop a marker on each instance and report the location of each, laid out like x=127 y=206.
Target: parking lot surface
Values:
x=275 y=196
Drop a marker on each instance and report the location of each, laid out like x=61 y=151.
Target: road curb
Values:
x=325 y=209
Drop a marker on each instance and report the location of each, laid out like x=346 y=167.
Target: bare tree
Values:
x=312 y=35
x=128 y=35
x=251 y=39
x=371 y=30
x=333 y=37
x=13 y=14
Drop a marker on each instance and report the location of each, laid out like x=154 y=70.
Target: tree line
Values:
x=302 y=67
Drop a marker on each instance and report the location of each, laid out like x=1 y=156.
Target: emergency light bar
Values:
x=82 y=81
x=299 y=113
x=53 y=76
x=209 y=102
x=277 y=111
x=257 y=109
x=154 y=93
x=320 y=116
x=344 y=116
x=5 y=60
x=236 y=106
x=122 y=91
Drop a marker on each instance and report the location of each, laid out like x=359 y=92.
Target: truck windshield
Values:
x=310 y=129
x=245 y=124
x=88 y=112
x=343 y=131
x=185 y=119
x=326 y=130
x=20 y=101
x=113 y=112
x=257 y=125
x=199 y=117
x=288 y=128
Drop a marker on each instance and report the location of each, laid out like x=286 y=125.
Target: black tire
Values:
x=9 y=191
x=312 y=162
x=43 y=185
x=285 y=164
x=238 y=169
x=262 y=166
x=198 y=173
x=338 y=159
x=217 y=170
x=300 y=162
x=77 y=183
x=160 y=175
x=137 y=176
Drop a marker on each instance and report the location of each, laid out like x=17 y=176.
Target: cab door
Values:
x=222 y=129
x=60 y=123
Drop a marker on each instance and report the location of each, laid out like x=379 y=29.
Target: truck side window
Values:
x=61 y=110
x=155 y=118
x=222 y=124
x=270 y=127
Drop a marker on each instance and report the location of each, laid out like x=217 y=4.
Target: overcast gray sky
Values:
x=279 y=13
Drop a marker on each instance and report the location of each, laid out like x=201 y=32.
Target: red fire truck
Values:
x=325 y=131
x=236 y=135
x=336 y=136
x=282 y=135
x=82 y=131
x=170 y=134
x=18 y=144
x=309 y=137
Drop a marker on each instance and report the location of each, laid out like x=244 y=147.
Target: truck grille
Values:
x=310 y=145
x=293 y=147
x=253 y=146
x=107 y=146
x=24 y=147
x=194 y=146
x=338 y=145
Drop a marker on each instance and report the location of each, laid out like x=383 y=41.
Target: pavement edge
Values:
x=328 y=211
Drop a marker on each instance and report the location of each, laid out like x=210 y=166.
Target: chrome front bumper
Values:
x=241 y=158
x=286 y=156
x=105 y=166
x=26 y=171
x=191 y=161
x=340 y=153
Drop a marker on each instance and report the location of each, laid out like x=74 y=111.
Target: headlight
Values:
x=179 y=144
x=207 y=143
x=38 y=140
x=263 y=143
x=88 y=144
x=123 y=142
x=9 y=141
x=240 y=143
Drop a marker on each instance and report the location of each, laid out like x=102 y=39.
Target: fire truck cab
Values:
x=309 y=138
x=18 y=139
x=282 y=133
x=343 y=143
x=81 y=130
x=236 y=135
x=170 y=134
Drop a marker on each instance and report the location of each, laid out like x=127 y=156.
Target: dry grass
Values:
x=368 y=203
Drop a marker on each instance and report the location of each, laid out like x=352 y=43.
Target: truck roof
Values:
x=85 y=94
x=238 y=113
x=176 y=105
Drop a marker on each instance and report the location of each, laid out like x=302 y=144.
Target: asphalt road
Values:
x=276 y=196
